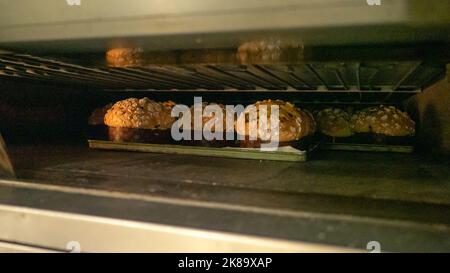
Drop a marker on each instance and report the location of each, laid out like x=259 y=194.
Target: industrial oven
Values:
x=63 y=188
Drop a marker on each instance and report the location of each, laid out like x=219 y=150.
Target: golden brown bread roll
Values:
x=124 y=57
x=205 y=118
x=384 y=120
x=169 y=104
x=334 y=122
x=139 y=113
x=132 y=57
x=311 y=122
x=269 y=51
x=360 y=122
x=294 y=123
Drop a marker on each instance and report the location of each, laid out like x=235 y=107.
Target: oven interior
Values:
x=335 y=201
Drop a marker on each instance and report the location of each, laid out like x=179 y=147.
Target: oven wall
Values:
x=35 y=113
x=432 y=111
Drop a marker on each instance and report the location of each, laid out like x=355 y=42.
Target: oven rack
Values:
x=378 y=79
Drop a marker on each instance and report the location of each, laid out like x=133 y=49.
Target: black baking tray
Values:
x=368 y=143
x=160 y=141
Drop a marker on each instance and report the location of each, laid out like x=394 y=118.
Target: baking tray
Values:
x=366 y=147
x=286 y=153
x=367 y=143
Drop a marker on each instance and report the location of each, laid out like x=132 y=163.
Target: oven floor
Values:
x=396 y=177
x=350 y=182
x=403 y=188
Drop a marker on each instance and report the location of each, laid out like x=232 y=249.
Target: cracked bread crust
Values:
x=294 y=123
x=140 y=114
x=124 y=57
x=334 y=122
x=384 y=120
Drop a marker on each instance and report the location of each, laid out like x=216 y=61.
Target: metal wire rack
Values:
x=373 y=77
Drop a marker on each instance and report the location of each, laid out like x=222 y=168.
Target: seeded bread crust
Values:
x=294 y=123
x=384 y=120
x=124 y=57
x=139 y=113
x=269 y=51
x=334 y=122
x=206 y=119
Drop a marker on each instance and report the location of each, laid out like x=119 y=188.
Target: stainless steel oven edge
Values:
x=44 y=228
x=60 y=218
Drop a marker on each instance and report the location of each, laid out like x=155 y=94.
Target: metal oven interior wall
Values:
x=34 y=113
x=432 y=111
